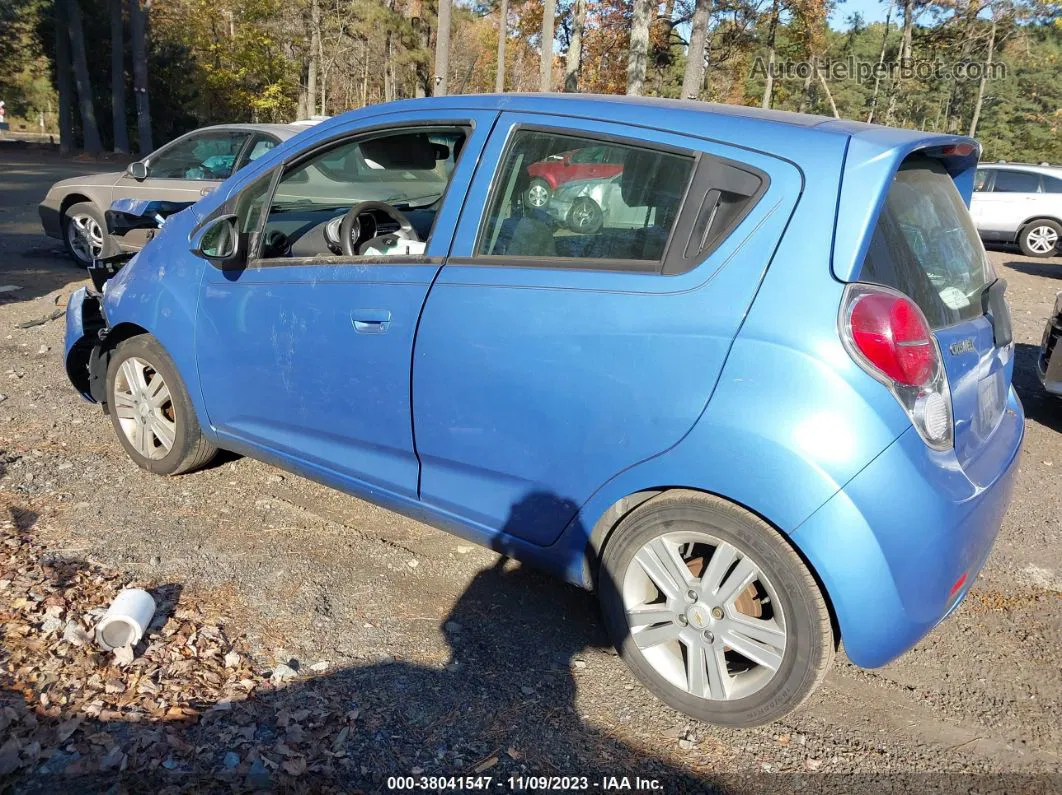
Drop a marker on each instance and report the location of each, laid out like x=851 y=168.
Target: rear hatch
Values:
x=925 y=245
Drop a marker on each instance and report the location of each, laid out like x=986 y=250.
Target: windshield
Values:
x=925 y=245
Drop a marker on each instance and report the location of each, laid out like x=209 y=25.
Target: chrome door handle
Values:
x=370 y=321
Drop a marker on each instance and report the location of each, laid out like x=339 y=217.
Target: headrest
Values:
x=407 y=151
x=651 y=179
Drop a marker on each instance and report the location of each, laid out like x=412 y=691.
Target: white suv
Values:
x=1015 y=203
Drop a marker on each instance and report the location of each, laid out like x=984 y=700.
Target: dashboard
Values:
x=315 y=233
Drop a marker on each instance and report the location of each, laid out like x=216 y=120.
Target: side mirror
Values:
x=137 y=170
x=220 y=243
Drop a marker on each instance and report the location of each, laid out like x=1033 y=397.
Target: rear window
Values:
x=925 y=246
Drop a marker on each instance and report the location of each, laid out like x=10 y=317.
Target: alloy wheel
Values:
x=85 y=237
x=538 y=195
x=704 y=615
x=144 y=408
x=1042 y=239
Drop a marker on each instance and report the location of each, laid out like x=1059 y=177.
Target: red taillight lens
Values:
x=890 y=331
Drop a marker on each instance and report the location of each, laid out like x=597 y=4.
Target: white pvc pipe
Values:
x=126 y=620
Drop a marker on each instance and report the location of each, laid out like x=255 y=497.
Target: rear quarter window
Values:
x=925 y=245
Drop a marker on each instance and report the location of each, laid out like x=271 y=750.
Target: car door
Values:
x=1010 y=202
x=548 y=361
x=304 y=354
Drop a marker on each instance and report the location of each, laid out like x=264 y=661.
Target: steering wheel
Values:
x=346 y=226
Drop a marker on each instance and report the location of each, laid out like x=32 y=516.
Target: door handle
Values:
x=370 y=321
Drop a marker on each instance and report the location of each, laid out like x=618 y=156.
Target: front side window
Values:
x=625 y=214
x=203 y=156
x=980 y=180
x=258 y=147
x=319 y=206
x=1016 y=182
x=925 y=245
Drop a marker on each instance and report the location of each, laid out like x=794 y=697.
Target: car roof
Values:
x=1053 y=171
x=281 y=131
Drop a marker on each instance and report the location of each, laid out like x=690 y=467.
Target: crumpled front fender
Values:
x=84 y=321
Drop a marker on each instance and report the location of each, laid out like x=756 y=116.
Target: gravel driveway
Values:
x=451 y=658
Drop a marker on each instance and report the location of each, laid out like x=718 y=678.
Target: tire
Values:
x=168 y=417
x=84 y=231
x=585 y=216
x=538 y=194
x=794 y=614
x=1040 y=238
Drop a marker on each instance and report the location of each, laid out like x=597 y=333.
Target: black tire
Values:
x=810 y=643
x=538 y=194
x=190 y=449
x=81 y=210
x=585 y=216
x=1033 y=232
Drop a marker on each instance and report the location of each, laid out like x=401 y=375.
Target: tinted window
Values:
x=980 y=179
x=209 y=155
x=925 y=246
x=624 y=216
x=1052 y=184
x=1016 y=182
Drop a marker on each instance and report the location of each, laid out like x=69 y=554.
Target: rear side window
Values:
x=1016 y=182
x=1052 y=184
x=925 y=245
x=559 y=196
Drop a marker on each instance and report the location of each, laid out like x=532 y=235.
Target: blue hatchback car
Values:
x=762 y=404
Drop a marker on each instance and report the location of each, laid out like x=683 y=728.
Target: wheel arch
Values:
x=603 y=529
x=71 y=199
x=1033 y=219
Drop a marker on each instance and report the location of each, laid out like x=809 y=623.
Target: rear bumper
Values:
x=902 y=543
x=1048 y=364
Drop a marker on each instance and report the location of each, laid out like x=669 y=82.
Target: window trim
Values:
x=672 y=261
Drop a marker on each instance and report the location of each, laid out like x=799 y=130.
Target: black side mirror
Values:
x=220 y=243
x=137 y=170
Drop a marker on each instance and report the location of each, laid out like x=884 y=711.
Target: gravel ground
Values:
x=454 y=657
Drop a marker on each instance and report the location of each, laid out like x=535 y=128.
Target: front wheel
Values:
x=713 y=611
x=1040 y=238
x=585 y=216
x=83 y=234
x=151 y=411
x=538 y=193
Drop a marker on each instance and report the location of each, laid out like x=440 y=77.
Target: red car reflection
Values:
x=592 y=162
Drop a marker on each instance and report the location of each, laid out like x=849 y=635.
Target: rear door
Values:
x=925 y=245
x=548 y=361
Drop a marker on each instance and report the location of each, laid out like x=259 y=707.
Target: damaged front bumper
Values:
x=86 y=357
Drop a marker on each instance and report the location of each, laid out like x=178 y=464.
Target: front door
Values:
x=304 y=354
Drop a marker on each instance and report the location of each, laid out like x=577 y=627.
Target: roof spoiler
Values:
x=873 y=156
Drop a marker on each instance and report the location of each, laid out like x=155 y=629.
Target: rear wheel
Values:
x=1040 y=238
x=585 y=216
x=83 y=232
x=713 y=611
x=151 y=411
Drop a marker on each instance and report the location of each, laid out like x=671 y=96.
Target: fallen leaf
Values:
x=486 y=764
x=295 y=766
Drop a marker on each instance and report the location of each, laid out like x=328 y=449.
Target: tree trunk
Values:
x=806 y=95
x=574 y=61
x=639 y=51
x=984 y=79
x=549 y=17
x=442 y=49
x=62 y=80
x=121 y=134
x=138 y=30
x=825 y=87
x=693 y=79
x=315 y=48
x=908 y=30
x=881 y=63
x=89 y=129
x=768 y=88
x=503 y=35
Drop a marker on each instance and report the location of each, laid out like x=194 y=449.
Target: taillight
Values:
x=888 y=336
